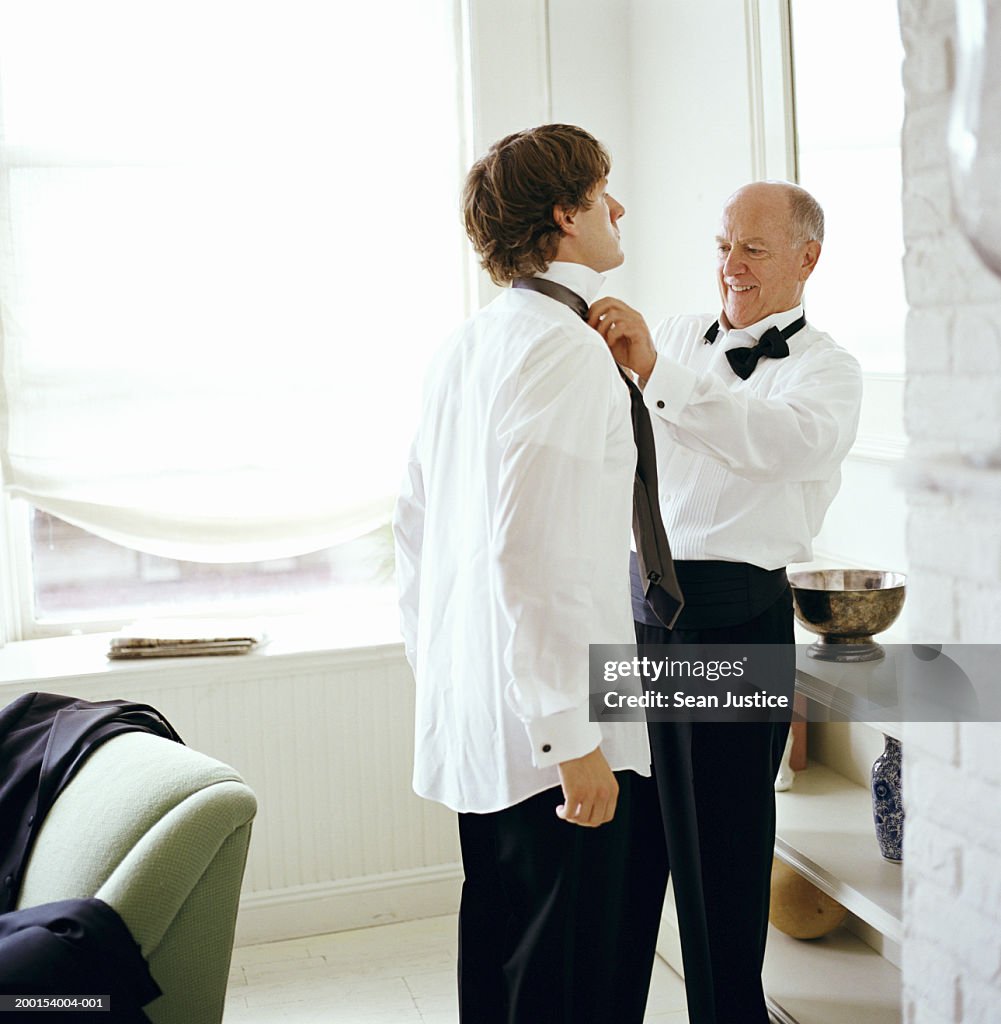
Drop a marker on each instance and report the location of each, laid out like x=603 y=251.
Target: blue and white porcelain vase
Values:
x=887 y=801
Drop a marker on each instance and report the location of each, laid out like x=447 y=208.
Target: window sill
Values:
x=362 y=631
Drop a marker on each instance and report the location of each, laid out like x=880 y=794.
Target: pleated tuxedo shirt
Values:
x=513 y=534
x=748 y=468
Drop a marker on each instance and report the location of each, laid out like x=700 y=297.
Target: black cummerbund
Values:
x=717 y=594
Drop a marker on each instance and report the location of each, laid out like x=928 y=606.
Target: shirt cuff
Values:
x=562 y=737
x=669 y=388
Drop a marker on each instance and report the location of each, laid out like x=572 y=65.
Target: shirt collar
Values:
x=756 y=330
x=575 y=276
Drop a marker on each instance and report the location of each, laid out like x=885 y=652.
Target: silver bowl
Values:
x=845 y=607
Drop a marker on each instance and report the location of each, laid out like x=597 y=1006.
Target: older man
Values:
x=512 y=535
x=753 y=413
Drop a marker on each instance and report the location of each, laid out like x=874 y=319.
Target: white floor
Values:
x=395 y=974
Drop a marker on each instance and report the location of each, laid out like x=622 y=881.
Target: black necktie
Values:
x=653 y=551
x=555 y=291
x=772 y=344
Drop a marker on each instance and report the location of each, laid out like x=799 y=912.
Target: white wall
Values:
x=591 y=86
x=952 y=773
x=692 y=129
x=664 y=84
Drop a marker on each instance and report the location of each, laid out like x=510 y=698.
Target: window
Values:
x=849 y=106
x=81 y=578
x=849 y=110
x=229 y=241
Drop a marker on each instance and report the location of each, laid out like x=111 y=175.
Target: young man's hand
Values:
x=590 y=790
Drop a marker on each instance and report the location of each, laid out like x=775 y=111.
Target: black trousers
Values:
x=715 y=788
x=546 y=918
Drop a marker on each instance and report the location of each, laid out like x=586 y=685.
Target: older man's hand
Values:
x=626 y=334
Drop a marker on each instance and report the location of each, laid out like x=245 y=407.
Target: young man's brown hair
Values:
x=510 y=193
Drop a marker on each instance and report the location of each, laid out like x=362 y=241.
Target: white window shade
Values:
x=229 y=239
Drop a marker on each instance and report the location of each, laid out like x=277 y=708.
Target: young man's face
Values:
x=597 y=243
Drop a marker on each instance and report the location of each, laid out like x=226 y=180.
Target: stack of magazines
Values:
x=176 y=638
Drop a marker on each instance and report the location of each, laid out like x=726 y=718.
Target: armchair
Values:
x=160 y=833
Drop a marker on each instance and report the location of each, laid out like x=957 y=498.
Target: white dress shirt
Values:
x=513 y=534
x=748 y=469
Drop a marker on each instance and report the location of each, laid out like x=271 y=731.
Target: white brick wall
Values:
x=952 y=774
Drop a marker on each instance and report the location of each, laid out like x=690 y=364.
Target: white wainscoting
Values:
x=325 y=740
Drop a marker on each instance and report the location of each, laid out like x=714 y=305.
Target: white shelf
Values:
x=859 y=692
x=825 y=831
x=836 y=979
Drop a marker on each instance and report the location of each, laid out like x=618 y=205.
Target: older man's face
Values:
x=759 y=270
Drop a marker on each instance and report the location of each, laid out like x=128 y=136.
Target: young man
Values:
x=513 y=535
x=753 y=414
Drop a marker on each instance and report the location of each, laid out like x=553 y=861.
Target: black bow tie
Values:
x=772 y=344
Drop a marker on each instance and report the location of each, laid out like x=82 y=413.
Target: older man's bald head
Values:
x=803 y=214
